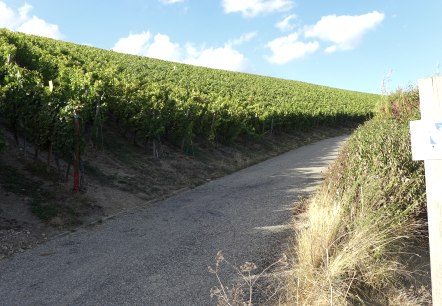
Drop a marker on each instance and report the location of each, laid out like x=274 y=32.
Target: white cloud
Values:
x=288 y=48
x=243 y=38
x=225 y=58
x=191 y=50
x=170 y=1
x=163 y=48
x=20 y=21
x=8 y=18
x=135 y=44
x=24 y=11
x=140 y=44
x=252 y=8
x=331 y=49
x=345 y=32
x=37 y=26
x=285 y=25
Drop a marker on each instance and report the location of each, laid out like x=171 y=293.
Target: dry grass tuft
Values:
x=353 y=246
x=244 y=292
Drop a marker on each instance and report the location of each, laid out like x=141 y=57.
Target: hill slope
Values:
x=44 y=81
x=148 y=127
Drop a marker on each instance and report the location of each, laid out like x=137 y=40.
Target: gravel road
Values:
x=158 y=255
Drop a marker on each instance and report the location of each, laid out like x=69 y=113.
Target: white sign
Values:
x=426 y=140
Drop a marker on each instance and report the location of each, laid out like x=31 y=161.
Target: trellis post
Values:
x=76 y=152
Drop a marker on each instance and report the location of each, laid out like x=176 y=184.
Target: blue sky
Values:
x=343 y=43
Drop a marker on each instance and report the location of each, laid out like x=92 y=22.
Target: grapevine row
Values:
x=43 y=81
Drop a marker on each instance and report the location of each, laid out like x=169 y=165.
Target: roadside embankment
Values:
x=363 y=234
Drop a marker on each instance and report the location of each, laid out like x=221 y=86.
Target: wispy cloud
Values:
x=171 y=1
x=23 y=12
x=243 y=38
x=288 y=48
x=344 y=32
x=285 y=24
x=252 y=8
x=20 y=21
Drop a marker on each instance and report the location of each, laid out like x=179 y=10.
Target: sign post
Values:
x=426 y=142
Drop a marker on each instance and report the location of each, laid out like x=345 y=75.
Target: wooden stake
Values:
x=76 y=152
x=48 y=166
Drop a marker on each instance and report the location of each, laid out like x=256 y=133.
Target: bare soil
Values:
x=37 y=204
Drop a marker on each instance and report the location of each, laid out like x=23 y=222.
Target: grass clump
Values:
x=355 y=243
x=44 y=203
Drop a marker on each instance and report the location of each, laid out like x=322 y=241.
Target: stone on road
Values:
x=159 y=255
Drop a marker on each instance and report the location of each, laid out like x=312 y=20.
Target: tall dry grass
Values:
x=354 y=244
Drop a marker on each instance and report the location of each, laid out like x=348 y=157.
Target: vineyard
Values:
x=45 y=83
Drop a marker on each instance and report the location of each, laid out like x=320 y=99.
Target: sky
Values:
x=370 y=46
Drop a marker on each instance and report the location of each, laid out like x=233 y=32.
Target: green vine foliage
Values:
x=43 y=81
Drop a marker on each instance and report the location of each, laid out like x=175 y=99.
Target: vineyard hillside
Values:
x=148 y=127
x=45 y=81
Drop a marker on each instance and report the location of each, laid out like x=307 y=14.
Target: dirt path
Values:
x=159 y=255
